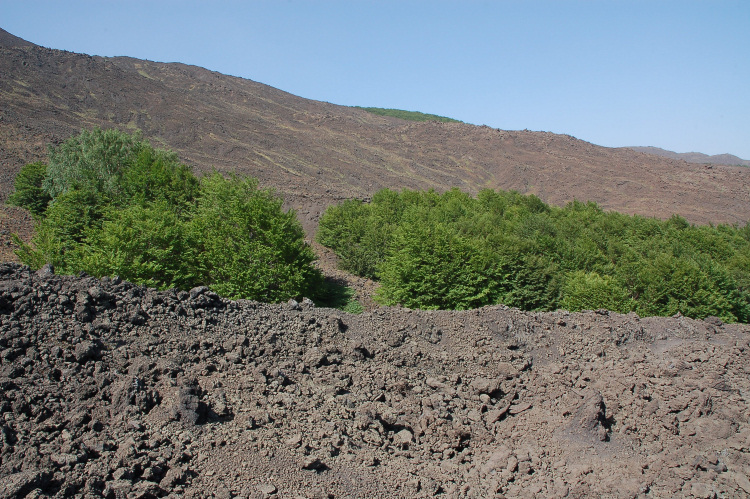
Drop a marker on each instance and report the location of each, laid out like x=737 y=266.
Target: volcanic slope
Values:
x=317 y=153
x=110 y=389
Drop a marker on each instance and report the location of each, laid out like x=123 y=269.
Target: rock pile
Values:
x=110 y=389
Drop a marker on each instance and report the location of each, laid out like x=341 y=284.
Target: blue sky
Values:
x=672 y=74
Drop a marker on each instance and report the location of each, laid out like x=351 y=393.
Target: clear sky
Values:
x=668 y=73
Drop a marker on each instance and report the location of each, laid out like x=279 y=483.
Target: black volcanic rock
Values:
x=237 y=398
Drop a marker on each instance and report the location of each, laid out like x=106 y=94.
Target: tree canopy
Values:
x=108 y=203
x=455 y=251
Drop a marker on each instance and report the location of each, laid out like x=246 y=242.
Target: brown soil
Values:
x=116 y=390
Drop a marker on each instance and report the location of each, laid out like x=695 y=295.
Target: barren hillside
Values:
x=317 y=153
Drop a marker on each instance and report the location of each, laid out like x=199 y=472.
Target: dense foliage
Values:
x=111 y=204
x=92 y=161
x=28 y=191
x=408 y=115
x=455 y=251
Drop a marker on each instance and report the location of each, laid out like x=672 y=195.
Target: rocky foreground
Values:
x=111 y=389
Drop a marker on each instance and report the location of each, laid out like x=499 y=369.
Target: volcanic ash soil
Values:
x=107 y=388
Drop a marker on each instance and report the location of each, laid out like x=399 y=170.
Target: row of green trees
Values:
x=454 y=251
x=109 y=203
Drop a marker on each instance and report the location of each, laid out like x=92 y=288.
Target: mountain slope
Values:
x=317 y=153
x=9 y=40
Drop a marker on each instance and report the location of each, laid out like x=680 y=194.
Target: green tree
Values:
x=349 y=229
x=591 y=291
x=450 y=250
x=158 y=176
x=28 y=191
x=92 y=160
x=248 y=246
x=144 y=244
x=433 y=267
x=63 y=231
x=119 y=206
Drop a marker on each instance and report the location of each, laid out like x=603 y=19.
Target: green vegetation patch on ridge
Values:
x=408 y=115
x=454 y=251
x=108 y=203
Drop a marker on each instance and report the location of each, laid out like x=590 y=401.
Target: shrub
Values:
x=337 y=295
x=248 y=246
x=93 y=160
x=450 y=250
x=28 y=189
x=408 y=115
x=591 y=291
x=144 y=244
x=119 y=206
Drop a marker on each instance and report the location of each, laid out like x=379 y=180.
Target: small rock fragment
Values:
x=267 y=489
x=485 y=385
x=404 y=437
x=314 y=464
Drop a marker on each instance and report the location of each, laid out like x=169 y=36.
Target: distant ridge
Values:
x=695 y=157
